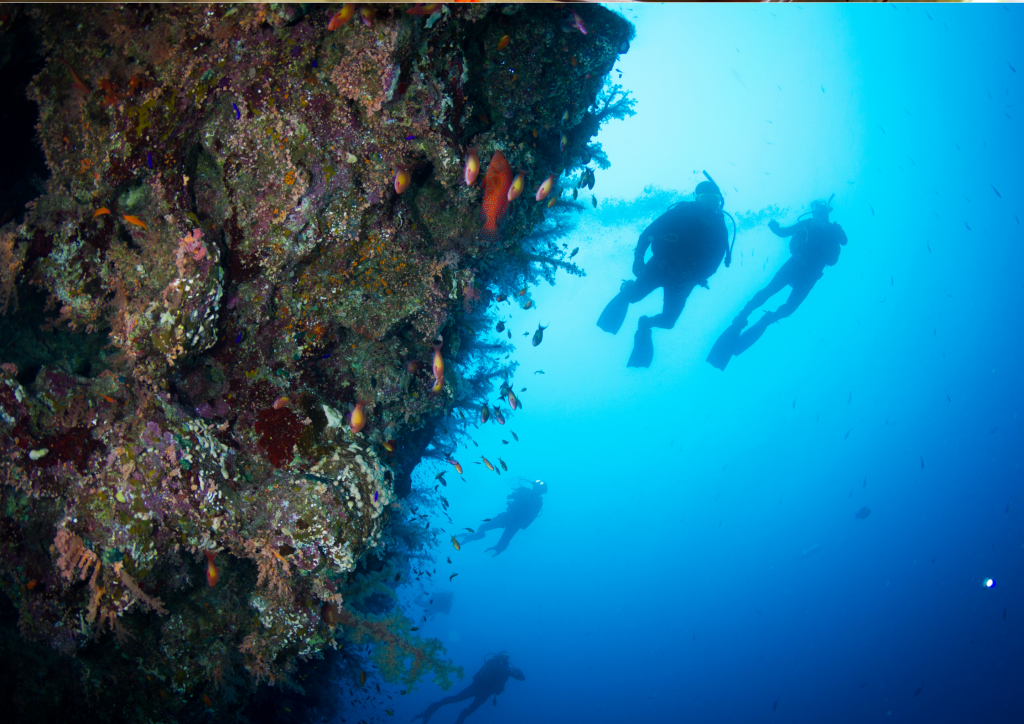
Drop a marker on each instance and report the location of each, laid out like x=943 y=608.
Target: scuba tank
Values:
x=721 y=207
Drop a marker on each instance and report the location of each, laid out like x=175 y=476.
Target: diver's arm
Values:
x=784 y=230
x=641 y=252
x=840 y=233
x=517 y=674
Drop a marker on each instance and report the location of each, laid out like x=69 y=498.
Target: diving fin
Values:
x=643 y=348
x=725 y=347
x=614 y=314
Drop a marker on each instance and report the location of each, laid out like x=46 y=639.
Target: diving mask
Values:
x=710 y=201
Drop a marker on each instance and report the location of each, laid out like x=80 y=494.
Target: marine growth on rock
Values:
x=221 y=263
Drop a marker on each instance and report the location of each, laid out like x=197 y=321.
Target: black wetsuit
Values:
x=688 y=243
x=524 y=506
x=488 y=682
x=815 y=245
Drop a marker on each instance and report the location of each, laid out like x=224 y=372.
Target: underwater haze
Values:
x=703 y=553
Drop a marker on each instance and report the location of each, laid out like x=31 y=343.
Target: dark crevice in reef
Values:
x=21 y=158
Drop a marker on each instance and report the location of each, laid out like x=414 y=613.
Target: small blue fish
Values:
x=375 y=494
x=239 y=340
x=149 y=159
x=238 y=113
x=314 y=63
x=410 y=138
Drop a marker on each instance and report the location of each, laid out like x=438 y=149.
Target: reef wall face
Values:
x=224 y=213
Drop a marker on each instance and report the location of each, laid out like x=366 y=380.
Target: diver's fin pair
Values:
x=614 y=314
x=725 y=347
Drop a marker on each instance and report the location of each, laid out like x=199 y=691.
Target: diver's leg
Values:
x=675 y=299
x=614 y=314
x=476 y=704
x=801 y=288
x=780 y=280
x=643 y=345
x=747 y=339
x=506 y=538
x=468 y=693
x=497 y=521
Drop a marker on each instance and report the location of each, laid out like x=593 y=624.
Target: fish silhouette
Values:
x=863 y=513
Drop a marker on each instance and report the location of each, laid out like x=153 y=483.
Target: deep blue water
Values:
x=698 y=557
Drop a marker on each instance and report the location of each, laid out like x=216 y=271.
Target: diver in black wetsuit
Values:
x=815 y=245
x=688 y=242
x=523 y=508
x=488 y=682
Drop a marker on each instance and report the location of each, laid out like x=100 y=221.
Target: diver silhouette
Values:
x=816 y=243
x=688 y=243
x=488 y=682
x=524 y=506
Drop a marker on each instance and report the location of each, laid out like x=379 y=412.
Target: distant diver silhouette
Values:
x=524 y=506
x=688 y=243
x=487 y=682
x=816 y=243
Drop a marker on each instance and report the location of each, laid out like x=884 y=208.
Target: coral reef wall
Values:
x=221 y=316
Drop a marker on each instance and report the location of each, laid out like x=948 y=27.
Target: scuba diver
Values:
x=523 y=508
x=688 y=242
x=488 y=682
x=815 y=245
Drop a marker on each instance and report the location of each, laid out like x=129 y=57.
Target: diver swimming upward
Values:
x=688 y=243
x=524 y=506
x=816 y=243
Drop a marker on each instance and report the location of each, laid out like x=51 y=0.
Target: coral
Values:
x=219 y=269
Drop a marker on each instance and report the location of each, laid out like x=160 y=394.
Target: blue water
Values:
x=698 y=557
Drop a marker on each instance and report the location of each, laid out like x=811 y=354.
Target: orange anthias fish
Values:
x=487 y=463
x=513 y=401
x=517 y=185
x=357 y=418
x=496 y=185
x=362 y=678
x=472 y=167
x=135 y=221
x=455 y=542
x=424 y=9
x=458 y=467
x=438 y=359
x=437 y=386
x=503 y=43
x=389 y=445
x=76 y=77
x=402 y=178
x=342 y=16
x=212 y=574
x=101 y=211
x=545 y=188
x=367 y=14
